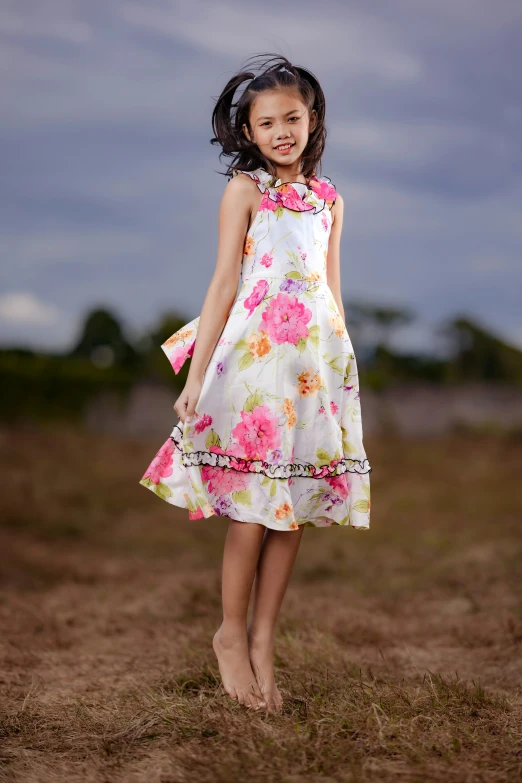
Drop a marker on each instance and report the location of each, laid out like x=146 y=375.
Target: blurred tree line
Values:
x=47 y=385
x=465 y=350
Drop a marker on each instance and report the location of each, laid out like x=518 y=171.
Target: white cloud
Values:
x=411 y=142
x=340 y=38
x=19 y=25
x=27 y=251
x=127 y=87
x=447 y=17
x=22 y=308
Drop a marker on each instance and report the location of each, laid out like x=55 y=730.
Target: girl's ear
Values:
x=313 y=120
x=245 y=131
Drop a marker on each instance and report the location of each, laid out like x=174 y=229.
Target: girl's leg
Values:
x=276 y=561
x=240 y=556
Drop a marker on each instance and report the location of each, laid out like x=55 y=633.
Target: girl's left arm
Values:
x=333 y=261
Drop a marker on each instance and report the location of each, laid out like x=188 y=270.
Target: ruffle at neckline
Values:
x=296 y=196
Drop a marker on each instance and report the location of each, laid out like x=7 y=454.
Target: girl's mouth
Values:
x=284 y=148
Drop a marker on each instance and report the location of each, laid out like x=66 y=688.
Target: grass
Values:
x=398 y=649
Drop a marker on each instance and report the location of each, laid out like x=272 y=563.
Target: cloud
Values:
x=71 y=247
x=22 y=308
x=360 y=45
x=108 y=182
x=20 y=26
x=410 y=143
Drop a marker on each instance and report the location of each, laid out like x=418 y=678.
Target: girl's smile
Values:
x=284 y=149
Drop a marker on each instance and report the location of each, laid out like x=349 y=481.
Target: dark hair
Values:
x=228 y=117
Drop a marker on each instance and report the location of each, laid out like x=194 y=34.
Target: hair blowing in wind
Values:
x=231 y=112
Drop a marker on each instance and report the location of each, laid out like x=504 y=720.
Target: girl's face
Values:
x=279 y=118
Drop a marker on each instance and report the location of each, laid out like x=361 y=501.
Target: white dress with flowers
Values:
x=277 y=434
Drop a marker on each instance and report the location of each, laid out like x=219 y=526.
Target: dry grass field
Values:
x=399 y=649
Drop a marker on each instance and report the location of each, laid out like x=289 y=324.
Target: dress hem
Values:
x=195 y=515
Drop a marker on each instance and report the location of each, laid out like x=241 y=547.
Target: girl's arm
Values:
x=333 y=263
x=234 y=215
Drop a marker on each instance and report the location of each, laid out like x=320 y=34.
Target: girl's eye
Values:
x=268 y=123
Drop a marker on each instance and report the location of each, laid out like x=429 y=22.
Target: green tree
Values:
x=103 y=342
x=476 y=354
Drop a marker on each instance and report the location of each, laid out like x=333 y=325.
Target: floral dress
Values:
x=276 y=437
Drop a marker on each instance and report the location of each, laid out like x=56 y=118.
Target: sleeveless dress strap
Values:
x=261 y=177
x=297 y=196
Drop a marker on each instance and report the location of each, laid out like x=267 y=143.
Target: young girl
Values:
x=270 y=431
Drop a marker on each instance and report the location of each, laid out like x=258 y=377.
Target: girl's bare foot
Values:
x=239 y=681
x=262 y=660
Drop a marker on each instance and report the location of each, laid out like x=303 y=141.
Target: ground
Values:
x=398 y=648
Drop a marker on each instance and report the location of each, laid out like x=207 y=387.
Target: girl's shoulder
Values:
x=261 y=177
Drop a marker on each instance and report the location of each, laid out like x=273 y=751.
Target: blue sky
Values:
x=110 y=193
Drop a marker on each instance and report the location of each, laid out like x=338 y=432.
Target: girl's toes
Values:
x=258 y=694
x=241 y=697
x=275 y=702
x=232 y=693
x=256 y=702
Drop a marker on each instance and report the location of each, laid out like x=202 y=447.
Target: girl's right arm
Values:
x=235 y=210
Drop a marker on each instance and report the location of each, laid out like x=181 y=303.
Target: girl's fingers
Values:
x=185 y=407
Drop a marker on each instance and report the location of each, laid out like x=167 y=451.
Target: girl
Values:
x=270 y=431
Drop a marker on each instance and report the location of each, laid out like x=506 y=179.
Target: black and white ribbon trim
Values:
x=306 y=469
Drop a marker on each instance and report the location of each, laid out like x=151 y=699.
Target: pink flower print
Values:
x=291 y=199
x=268 y=203
x=178 y=357
x=257 y=432
x=324 y=222
x=162 y=464
x=204 y=422
x=257 y=296
x=333 y=407
x=221 y=367
x=223 y=481
x=285 y=319
x=321 y=409
x=301 y=252
x=339 y=484
x=267 y=260
x=323 y=189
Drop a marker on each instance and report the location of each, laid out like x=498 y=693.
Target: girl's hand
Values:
x=187 y=401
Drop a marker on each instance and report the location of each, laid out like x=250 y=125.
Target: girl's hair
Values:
x=228 y=117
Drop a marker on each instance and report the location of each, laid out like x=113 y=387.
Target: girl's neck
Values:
x=291 y=174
